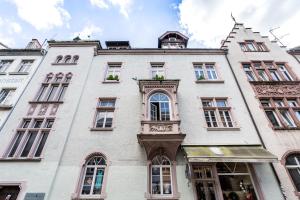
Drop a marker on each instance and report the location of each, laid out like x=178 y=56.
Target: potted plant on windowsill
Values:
x=158 y=78
x=201 y=78
x=113 y=78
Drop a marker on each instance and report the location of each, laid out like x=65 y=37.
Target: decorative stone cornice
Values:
x=146 y=85
x=287 y=89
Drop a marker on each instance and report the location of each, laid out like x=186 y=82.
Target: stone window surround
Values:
x=283 y=161
x=255 y=43
x=252 y=173
x=60 y=60
x=163 y=67
x=76 y=195
x=120 y=64
x=215 y=108
x=22 y=185
x=288 y=68
x=217 y=69
x=99 y=108
x=274 y=108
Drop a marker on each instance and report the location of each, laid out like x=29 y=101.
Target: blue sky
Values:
x=206 y=22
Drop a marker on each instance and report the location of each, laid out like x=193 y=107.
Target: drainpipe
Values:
x=69 y=131
x=253 y=121
x=43 y=52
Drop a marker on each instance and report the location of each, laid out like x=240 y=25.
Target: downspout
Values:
x=69 y=131
x=253 y=121
x=44 y=55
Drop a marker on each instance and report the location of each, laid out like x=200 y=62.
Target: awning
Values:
x=228 y=154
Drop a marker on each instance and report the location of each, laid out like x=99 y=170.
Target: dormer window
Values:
x=172 y=40
x=159 y=107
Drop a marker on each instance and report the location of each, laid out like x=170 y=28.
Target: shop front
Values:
x=225 y=172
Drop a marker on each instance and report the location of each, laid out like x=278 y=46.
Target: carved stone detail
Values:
x=31 y=110
x=54 y=109
x=160 y=128
x=277 y=90
x=43 y=109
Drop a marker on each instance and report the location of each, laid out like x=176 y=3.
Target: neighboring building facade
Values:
x=269 y=79
x=295 y=52
x=17 y=66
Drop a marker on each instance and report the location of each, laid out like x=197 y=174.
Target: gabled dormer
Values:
x=172 y=40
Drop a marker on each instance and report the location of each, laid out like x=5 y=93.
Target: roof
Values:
x=79 y=42
x=185 y=38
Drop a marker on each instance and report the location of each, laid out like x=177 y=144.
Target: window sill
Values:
x=44 y=102
x=88 y=197
x=256 y=51
x=63 y=63
x=5 y=107
x=110 y=81
x=223 y=129
x=20 y=159
x=18 y=73
x=160 y=197
x=101 y=129
x=286 y=128
x=2 y=73
x=209 y=81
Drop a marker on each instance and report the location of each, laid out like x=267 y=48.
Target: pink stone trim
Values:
x=21 y=184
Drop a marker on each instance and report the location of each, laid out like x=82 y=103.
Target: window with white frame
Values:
x=282 y=113
x=25 y=65
x=4 y=64
x=113 y=72
x=161 y=176
x=293 y=166
x=158 y=71
x=105 y=113
x=92 y=181
x=205 y=71
x=30 y=138
x=251 y=45
x=159 y=107
x=6 y=95
x=267 y=71
x=217 y=112
x=53 y=88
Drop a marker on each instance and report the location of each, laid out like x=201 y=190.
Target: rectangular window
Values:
x=287 y=118
x=284 y=72
x=249 y=72
x=4 y=64
x=217 y=113
x=251 y=45
x=265 y=102
x=205 y=71
x=53 y=89
x=275 y=76
x=273 y=118
x=30 y=138
x=158 y=71
x=113 y=72
x=104 y=115
x=292 y=102
x=205 y=182
x=6 y=96
x=25 y=65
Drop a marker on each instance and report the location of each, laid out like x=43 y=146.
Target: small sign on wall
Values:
x=34 y=196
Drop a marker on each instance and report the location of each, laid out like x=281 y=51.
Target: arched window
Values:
x=67 y=59
x=58 y=59
x=75 y=59
x=161 y=178
x=92 y=182
x=48 y=77
x=159 y=107
x=293 y=166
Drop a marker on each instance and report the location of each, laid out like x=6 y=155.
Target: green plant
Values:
x=201 y=78
x=113 y=78
x=158 y=78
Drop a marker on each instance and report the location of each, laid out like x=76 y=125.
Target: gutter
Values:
x=253 y=121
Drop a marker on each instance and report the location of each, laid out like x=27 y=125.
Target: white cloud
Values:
x=42 y=14
x=208 y=22
x=88 y=32
x=7 y=30
x=124 y=5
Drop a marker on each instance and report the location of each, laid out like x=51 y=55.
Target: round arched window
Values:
x=159 y=107
x=92 y=182
x=161 y=178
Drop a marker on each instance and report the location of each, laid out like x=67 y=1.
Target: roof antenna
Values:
x=233 y=18
x=277 y=39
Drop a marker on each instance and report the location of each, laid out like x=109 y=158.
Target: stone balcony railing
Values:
x=160 y=127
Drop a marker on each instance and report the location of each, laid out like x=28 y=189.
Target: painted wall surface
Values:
x=38 y=175
x=16 y=81
x=127 y=171
x=277 y=142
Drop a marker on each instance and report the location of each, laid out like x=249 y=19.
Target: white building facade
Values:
x=269 y=80
x=17 y=66
x=127 y=123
